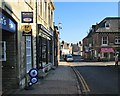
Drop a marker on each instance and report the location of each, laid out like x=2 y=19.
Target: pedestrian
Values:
x=116 y=60
x=99 y=57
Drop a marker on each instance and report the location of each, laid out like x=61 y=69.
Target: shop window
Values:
x=49 y=50
x=2 y=51
x=44 y=51
x=28 y=54
x=105 y=55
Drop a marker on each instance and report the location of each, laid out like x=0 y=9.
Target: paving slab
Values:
x=62 y=80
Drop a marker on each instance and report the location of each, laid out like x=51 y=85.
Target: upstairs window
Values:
x=117 y=39
x=30 y=3
x=105 y=40
x=107 y=25
x=45 y=10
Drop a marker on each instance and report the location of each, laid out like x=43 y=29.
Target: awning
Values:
x=107 y=50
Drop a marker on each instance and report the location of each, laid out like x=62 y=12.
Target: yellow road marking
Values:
x=83 y=82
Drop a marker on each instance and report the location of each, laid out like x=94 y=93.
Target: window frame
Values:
x=104 y=44
x=117 y=38
x=28 y=49
x=107 y=25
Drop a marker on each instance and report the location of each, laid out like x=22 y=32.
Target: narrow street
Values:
x=59 y=48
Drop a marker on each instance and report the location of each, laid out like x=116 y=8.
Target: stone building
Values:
x=103 y=41
x=27 y=40
x=45 y=33
x=56 y=46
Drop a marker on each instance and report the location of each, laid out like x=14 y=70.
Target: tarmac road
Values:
x=99 y=77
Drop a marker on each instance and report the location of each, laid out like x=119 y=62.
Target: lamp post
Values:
x=59 y=45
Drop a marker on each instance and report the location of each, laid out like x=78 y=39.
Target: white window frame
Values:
x=38 y=2
x=45 y=10
x=104 y=40
x=3 y=50
x=28 y=54
x=117 y=39
x=107 y=26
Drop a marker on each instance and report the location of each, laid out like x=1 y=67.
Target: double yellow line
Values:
x=82 y=81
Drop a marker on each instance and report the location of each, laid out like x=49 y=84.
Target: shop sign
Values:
x=7 y=24
x=26 y=29
x=27 y=17
x=107 y=50
x=45 y=30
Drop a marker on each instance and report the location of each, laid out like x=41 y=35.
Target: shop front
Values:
x=44 y=49
x=8 y=51
x=106 y=54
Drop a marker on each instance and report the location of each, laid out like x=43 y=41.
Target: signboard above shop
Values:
x=7 y=23
x=105 y=50
x=27 y=17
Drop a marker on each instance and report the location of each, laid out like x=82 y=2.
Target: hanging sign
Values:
x=27 y=17
x=26 y=29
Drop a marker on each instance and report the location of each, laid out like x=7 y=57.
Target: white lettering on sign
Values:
x=3 y=21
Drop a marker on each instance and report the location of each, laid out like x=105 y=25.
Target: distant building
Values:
x=77 y=49
x=103 y=40
x=65 y=48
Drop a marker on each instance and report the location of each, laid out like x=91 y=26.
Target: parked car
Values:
x=68 y=57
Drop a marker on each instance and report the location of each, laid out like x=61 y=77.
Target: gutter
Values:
x=81 y=83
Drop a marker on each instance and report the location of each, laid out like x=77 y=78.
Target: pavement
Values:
x=62 y=80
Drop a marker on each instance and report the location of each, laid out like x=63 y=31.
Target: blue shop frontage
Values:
x=8 y=48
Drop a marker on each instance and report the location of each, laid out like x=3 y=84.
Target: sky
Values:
x=78 y=17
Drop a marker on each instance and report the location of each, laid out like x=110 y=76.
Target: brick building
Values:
x=103 y=40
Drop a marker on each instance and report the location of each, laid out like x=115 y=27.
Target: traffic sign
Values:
x=33 y=72
x=34 y=80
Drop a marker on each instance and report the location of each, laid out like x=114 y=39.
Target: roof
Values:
x=114 y=25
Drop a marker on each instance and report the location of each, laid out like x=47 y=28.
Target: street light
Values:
x=59 y=26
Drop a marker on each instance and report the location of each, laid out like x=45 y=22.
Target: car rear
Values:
x=69 y=58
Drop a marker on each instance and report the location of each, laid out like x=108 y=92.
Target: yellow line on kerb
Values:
x=83 y=82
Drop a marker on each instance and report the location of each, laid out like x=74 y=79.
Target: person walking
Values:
x=116 y=60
